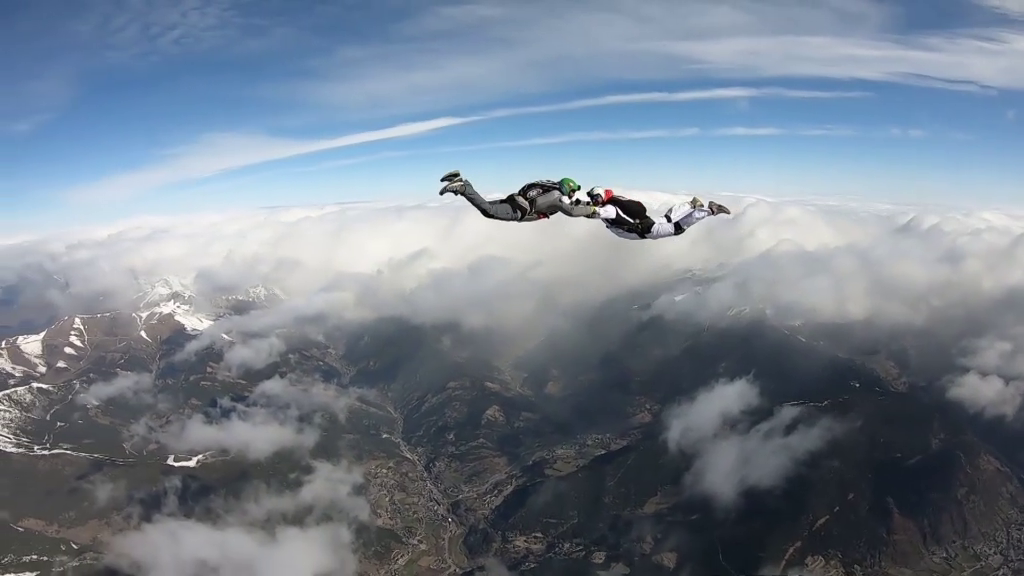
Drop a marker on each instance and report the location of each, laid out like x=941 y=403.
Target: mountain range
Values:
x=163 y=437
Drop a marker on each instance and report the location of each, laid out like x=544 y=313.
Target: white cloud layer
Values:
x=732 y=455
x=801 y=261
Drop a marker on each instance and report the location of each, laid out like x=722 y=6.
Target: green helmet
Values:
x=568 y=186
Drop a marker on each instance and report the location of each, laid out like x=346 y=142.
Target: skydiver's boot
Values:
x=454 y=184
x=717 y=208
x=696 y=203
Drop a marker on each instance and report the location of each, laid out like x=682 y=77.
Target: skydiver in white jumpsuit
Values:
x=628 y=218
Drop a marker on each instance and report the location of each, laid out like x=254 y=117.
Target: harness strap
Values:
x=519 y=204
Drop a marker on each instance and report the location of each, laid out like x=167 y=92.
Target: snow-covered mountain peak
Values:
x=169 y=297
x=163 y=290
x=262 y=294
x=253 y=297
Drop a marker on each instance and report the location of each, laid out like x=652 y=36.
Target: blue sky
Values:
x=115 y=109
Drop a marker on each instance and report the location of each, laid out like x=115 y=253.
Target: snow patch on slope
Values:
x=31 y=347
x=23 y=355
x=22 y=407
x=16 y=408
x=191 y=462
x=78 y=336
x=8 y=366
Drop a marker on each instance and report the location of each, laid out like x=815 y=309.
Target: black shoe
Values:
x=457 y=188
x=454 y=184
x=717 y=208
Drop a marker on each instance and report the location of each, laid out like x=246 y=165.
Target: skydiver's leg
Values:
x=664 y=230
x=677 y=212
x=685 y=217
x=493 y=209
x=691 y=216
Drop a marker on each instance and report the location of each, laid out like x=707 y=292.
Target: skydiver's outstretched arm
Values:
x=576 y=210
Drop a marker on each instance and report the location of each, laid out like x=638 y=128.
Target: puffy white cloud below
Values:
x=994 y=383
x=280 y=415
x=306 y=530
x=131 y=386
x=254 y=434
x=253 y=354
x=731 y=456
x=329 y=488
x=237 y=542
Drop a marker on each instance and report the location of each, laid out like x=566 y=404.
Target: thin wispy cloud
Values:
x=730 y=93
x=218 y=153
x=162 y=27
x=440 y=55
x=28 y=124
x=598 y=136
x=474 y=53
x=1012 y=8
x=908 y=132
x=49 y=56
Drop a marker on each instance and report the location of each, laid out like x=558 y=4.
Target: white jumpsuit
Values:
x=664 y=226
